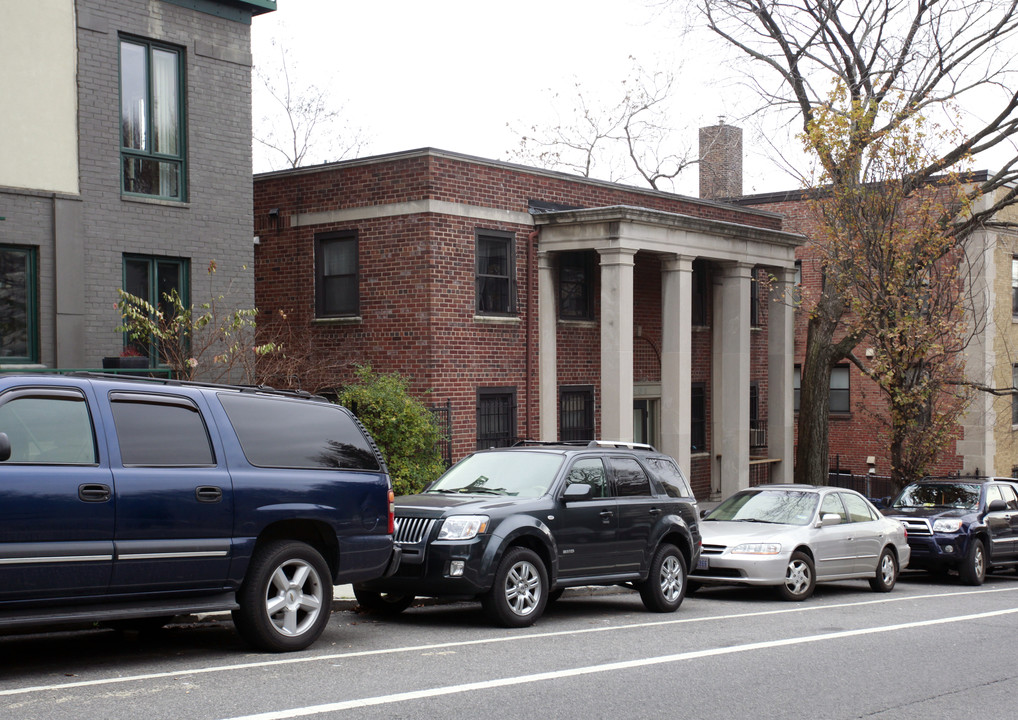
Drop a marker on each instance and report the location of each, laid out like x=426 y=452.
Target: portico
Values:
x=618 y=234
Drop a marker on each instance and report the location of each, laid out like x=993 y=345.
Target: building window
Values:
x=698 y=418
x=496 y=417
x=701 y=284
x=575 y=276
x=19 y=317
x=337 y=288
x=839 y=391
x=1014 y=398
x=152 y=119
x=494 y=273
x=838 y=394
x=576 y=413
x=754 y=299
x=1014 y=285
x=156 y=280
x=757 y=427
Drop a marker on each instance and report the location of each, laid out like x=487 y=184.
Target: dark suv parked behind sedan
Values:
x=515 y=526
x=968 y=524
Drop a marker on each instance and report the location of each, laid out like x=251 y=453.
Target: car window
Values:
x=993 y=493
x=630 y=477
x=939 y=494
x=160 y=431
x=55 y=429
x=670 y=477
x=501 y=472
x=591 y=472
x=280 y=433
x=858 y=509
x=832 y=505
x=1010 y=497
x=783 y=507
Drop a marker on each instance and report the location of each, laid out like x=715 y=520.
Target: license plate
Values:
x=703 y=563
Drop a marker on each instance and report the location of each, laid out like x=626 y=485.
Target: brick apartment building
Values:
x=986 y=441
x=126 y=163
x=541 y=305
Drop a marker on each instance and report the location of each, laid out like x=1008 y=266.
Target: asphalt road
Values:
x=929 y=649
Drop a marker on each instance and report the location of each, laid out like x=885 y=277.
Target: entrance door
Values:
x=645 y=421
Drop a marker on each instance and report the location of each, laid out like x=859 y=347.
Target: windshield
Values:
x=949 y=495
x=785 y=507
x=518 y=474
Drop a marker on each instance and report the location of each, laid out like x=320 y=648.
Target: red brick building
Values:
x=542 y=305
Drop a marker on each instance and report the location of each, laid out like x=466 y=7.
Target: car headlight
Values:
x=757 y=549
x=463 y=527
x=946 y=525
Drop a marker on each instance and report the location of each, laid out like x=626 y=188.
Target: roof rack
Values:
x=172 y=382
x=621 y=444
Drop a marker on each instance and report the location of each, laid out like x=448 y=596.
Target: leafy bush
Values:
x=401 y=425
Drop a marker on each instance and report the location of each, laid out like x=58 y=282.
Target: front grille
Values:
x=712 y=549
x=412 y=530
x=719 y=573
x=916 y=528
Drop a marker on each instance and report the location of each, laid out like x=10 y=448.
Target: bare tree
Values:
x=624 y=139
x=301 y=124
x=898 y=62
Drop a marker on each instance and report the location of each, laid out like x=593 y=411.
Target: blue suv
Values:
x=136 y=500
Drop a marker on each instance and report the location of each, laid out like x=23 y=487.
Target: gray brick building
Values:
x=125 y=162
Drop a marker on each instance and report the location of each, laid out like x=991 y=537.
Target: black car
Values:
x=967 y=524
x=513 y=527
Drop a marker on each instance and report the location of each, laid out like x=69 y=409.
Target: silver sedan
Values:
x=794 y=536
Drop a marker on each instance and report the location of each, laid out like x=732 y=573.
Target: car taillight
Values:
x=392 y=512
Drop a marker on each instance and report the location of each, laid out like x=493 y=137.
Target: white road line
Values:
x=276 y=662
x=607 y=667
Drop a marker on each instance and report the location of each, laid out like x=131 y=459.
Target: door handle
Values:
x=606 y=515
x=655 y=511
x=208 y=493
x=93 y=492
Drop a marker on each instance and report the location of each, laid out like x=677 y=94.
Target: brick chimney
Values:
x=720 y=161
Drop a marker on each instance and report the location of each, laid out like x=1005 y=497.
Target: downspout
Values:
x=531 y=303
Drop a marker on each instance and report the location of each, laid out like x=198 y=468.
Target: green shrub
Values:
x=401 y=425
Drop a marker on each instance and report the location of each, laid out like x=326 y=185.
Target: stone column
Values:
x=676 y=357
x=617 y=343
x=780 y=359
x=547 y=347
x=730 y=380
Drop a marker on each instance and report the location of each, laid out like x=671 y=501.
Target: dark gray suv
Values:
x=514 y=527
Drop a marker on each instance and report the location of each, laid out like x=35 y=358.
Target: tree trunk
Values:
x=811 y=464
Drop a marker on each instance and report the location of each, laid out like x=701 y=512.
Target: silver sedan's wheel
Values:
x=887 y=572
x=286 y=598
x=520 y=591
x=800 y=577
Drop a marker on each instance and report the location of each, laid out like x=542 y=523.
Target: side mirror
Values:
x=5 y=447
x=996 y=506
x=830 y=519
x=578 y=491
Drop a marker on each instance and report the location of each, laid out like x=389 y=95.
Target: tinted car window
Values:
x=303 y=434
x=158 y=431
x=630 y=478
x=858 y=510
x=670 y=477
x=53 y=430
x=591 y=472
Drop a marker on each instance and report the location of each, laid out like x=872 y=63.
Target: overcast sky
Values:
x=462 y=76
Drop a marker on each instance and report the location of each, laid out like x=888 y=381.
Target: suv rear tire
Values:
x=286 y=598
x=665 y=586
x=520 y=591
